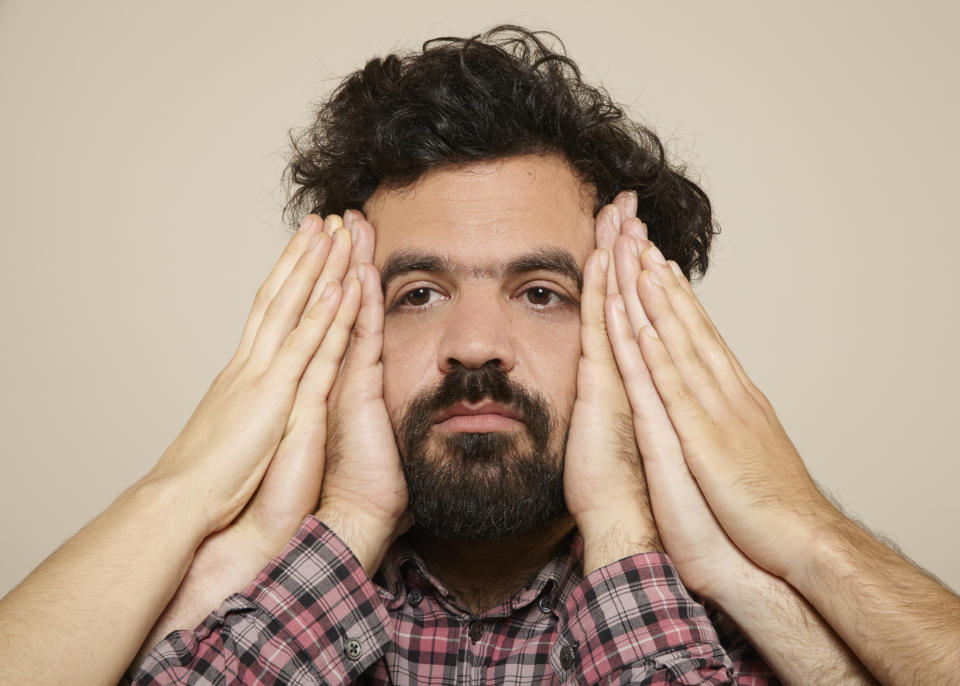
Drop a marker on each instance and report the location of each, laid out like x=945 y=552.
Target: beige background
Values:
x=142 y=143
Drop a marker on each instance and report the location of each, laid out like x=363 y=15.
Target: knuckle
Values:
x=262 y=297
x=317 y=314
x=294 y=342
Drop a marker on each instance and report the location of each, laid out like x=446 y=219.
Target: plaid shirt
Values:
x=313 y=616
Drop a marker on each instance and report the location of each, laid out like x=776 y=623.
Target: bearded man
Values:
x=535 y=458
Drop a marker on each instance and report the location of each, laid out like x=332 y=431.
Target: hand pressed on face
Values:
x=264 y=416
x=729 y=435
x=603 y=476
x=364 y=496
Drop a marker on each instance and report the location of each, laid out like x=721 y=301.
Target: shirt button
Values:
x=352 y=649
x=568 y=657
x=475 y=631
x=544 y=604
x=414 y=596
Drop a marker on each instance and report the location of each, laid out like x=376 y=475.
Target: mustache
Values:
x=473 y=384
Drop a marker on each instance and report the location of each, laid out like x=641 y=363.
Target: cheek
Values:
x=552 y=356
x=408 y=361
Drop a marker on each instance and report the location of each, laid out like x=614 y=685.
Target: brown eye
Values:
x=417 y=297
x=540 y=296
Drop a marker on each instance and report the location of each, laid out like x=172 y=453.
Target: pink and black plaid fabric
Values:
x=313 y=616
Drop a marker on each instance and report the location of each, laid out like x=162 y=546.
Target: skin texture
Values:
x=300 y=412
x=772 y=525
x=238 y=477
x=476 y=220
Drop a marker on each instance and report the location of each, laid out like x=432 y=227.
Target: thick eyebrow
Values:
x=555 y=260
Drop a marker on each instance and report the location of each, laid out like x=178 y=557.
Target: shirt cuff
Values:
x=318 y=591
x=636 y=612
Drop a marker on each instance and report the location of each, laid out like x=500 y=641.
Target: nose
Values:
x=476 y=331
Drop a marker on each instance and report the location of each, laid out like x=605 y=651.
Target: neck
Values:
x=485 y=575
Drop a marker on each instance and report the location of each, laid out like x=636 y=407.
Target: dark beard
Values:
x=482 y=487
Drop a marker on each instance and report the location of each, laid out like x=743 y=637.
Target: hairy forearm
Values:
x=793 y=639
x=80 y=617
x=902 y=623
x=608 y=538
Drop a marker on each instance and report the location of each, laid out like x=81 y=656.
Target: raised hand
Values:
x=796 y=642
x=603 y=475
x=364 y=494
x=734 y=445
x=265 y=412
x=707 y=561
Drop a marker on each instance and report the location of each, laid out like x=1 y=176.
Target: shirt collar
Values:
x=403 y=569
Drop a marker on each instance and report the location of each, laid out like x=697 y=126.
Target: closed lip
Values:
x=469 y=409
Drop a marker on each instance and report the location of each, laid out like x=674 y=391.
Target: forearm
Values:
x=225 y=563
x=790 y=636
x=903 y=624
x=83 y=613
x=611 y=537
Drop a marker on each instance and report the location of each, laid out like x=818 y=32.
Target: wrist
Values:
x=167 y=503
x=367 y=538
x=608 y=537
x=827 y=554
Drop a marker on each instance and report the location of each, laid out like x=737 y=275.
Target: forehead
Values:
x=481 y=214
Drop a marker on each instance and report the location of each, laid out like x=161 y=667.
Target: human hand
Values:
x=720 y=424
x=706 y=559
x=265 y=414
x=603 y=476
x=364 y=494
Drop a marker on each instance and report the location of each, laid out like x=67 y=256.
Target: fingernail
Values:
x=360 y=272
x=604 y=260
x=650 y=331
x=348 y=219
x=314 y=240
x=655 y=278
x=635 y=248
x=676 y=269
x=618 y=303
x=632 y=203
x=306 y=223
x=336 y=222
x=328 y=289
x=657 y=255
x=615 y=216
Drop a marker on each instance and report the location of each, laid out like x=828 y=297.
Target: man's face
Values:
x=481 y=266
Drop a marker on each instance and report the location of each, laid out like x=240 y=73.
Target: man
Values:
x=518 y=348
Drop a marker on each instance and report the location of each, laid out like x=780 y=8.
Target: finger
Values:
x=696 y=376
x=278 y=275
x=626 y=202
x=755 y=392
x=322 y=369
x=593 y=331
x=657 y=439
x=332 y=223
x=284 y=312
x=709 y=348
x=649 y=412
x=335 y=267
x=366 y=338
x=607 y=230
x=692 y=424
x=634 y=227
x=362 y=235
x=679 y=505
x=297 y=349
x=626 y=254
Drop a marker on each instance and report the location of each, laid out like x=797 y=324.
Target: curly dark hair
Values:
x=500 y=93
